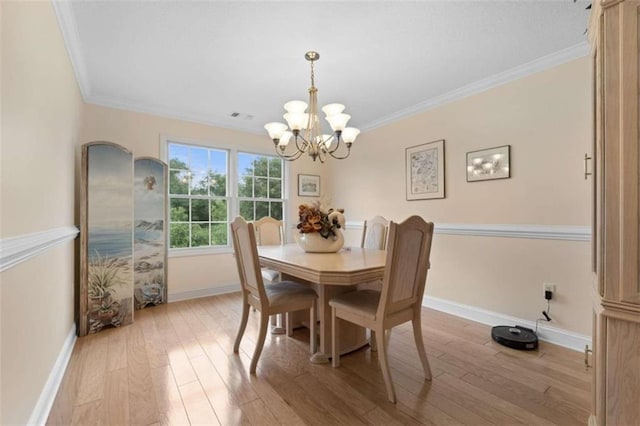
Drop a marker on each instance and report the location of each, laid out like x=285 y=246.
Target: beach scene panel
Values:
x=150 y=248
x=110 y=236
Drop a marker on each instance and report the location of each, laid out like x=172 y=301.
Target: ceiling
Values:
x=202 y=61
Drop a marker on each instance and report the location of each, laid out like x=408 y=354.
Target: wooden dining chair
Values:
x=400 y=300
x=374 y=234
x=270 y=232
x=269 y=299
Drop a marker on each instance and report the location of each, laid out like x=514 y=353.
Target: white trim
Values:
x=203 y=292
x=574 y=52
x=544 y=232
x=41 y=411
x=67 y=24
x=554 y=335
x=14 y=250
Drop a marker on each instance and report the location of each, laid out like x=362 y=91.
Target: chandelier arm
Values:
x=340 y=157
x=288 y=157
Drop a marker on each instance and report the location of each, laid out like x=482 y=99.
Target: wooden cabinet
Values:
x=614 y=32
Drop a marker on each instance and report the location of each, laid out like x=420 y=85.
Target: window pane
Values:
x=275 y=188
x=218 y=161
x=219 y=210
x=198 y=158
x=260 y=166
x=275 y=167
x=178 y=182
x=199 y=183
x=218 y=184
x=179 y=236
x=246 y=210
x=200 y=210
x=276 y=210
x=219 y=234
x=199 y=234
x=261 y=188
x=178 y=156
x=179 y=210
x=245 y=164
x=262 y=209
x=245 y=186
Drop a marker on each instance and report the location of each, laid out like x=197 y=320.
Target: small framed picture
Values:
x=308 y=185
x=425 y=171
x=487 y=164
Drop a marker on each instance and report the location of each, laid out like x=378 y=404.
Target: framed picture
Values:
x=425 y=171
x=308 y=185
x=486 y=164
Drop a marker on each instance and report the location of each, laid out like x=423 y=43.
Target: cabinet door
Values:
x=620 y=57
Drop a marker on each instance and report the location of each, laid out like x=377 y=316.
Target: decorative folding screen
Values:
x=150 y=232
x=106 y=237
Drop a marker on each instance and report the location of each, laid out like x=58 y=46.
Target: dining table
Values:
x=329 y=274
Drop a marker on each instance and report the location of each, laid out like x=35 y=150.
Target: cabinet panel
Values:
x=622 y=372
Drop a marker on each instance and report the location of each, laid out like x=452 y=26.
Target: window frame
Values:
x=233 y=200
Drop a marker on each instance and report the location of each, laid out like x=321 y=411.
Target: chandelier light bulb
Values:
x=297 y=120
x=285 y=138
x=350 y=134
x=275 y=130
x=332 y=109
x=295 y=106
x=338 y=122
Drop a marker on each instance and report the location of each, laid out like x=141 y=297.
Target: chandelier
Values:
x=306 y=131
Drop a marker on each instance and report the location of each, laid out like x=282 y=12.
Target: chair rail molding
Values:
x=14 y=250
x=545 y=232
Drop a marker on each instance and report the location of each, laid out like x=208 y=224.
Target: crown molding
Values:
x=15 y=250
x=549 y=61
x=67 y=23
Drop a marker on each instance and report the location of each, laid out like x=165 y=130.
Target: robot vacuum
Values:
x=516 y=337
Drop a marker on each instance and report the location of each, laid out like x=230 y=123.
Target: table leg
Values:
x=352 y=336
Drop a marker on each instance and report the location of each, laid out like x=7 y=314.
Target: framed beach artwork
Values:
x=488 y=164
x=106 y=237
x=150 y=232
x=308 y=185
x=425 y=171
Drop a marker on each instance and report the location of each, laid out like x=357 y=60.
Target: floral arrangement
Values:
x=313 y=219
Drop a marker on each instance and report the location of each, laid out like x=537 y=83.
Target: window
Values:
x=259 y=186
x=208 y=187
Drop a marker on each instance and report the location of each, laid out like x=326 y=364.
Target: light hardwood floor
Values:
x=175 y=365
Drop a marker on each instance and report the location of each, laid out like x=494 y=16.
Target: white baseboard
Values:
x=42 y=409
x=204 y=292
x=554 y=335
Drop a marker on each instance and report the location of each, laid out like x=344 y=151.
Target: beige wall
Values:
x=141 y=133
x=546 y=119
x=41 y=112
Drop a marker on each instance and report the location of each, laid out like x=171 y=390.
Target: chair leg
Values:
x=289 y=321
x=243 y=325
x=372 y=341
x=335 y=339
x=384 y=364
x=312 y=328
x=264 y=326
x=417 y=334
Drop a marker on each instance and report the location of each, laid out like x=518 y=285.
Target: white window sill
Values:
x=199 y=251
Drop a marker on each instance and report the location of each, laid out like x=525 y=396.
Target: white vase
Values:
x=314 y=243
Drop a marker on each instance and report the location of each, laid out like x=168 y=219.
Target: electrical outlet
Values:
x=548 y=287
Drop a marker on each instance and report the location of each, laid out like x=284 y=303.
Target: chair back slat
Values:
x=374 y=234
x=269 y=231
x=246 y=254
x=408 y=251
